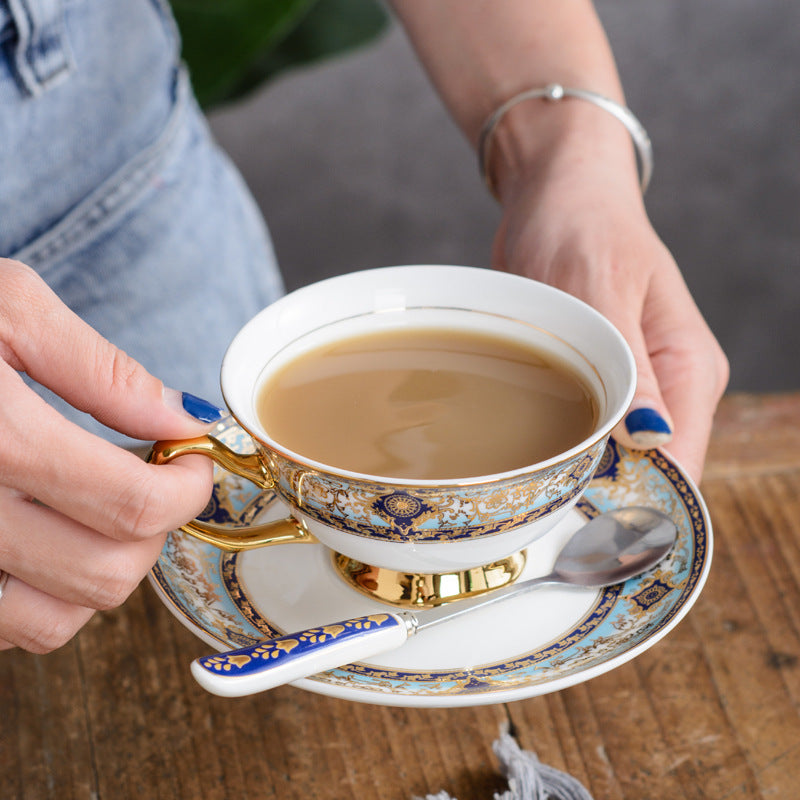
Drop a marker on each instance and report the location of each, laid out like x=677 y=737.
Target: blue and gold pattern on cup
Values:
x=403 y=513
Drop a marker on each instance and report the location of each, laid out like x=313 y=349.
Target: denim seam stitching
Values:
x=113 y=195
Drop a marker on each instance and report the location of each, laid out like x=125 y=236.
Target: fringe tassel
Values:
x=528 y=778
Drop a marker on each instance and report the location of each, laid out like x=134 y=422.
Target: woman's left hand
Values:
x=576 y=232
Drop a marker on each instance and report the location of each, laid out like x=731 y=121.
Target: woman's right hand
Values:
x=81 y=521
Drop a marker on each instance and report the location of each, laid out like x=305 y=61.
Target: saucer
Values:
x=544 y=641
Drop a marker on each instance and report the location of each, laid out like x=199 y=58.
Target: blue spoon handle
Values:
x=297 y=655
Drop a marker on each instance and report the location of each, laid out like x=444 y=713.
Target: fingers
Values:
x=102 y=529
x=692 y=400
x=648 y=422
x=89 y=555
x=102 y=513
x=36 y=621
x=692 y=371
x=43 y=455
x=682 y=373
x=65 y=354
x=88 y=479
x=95 y=571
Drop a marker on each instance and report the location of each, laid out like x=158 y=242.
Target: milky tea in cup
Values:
x=421 y=419
x=428 y=403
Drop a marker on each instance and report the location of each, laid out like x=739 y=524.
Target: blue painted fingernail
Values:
x=201 y=409
x=648 y=428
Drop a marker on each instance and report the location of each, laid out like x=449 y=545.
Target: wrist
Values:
x=537 y=137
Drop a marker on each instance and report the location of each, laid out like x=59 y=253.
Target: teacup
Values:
x=414 y=525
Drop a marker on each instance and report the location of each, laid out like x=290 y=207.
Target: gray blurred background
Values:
x=355 y=164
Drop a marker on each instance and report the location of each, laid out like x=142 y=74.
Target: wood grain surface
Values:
x=709 y=712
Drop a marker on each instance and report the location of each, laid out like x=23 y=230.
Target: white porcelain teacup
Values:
x=408 y=525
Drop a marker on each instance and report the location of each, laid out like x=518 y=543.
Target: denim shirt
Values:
x=113 y=190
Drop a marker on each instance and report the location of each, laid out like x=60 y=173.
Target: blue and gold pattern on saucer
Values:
x=235 y=599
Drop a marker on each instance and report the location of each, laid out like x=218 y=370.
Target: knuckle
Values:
x=722 y=370
x=41 y=638
x=710 y=366
x=21 y=286
x=113 y=585
x=147 y=506
x=139 y=513
x=118 y=371
x=18 y=280
x=21 y=293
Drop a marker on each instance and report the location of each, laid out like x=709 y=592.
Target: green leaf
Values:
x=232 y=46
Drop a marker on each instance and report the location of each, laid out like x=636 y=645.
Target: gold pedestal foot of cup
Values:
x=410 y=590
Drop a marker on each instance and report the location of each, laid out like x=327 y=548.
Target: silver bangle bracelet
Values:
x=555 y=92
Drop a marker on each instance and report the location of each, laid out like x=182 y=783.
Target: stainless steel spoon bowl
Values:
x=614 y=546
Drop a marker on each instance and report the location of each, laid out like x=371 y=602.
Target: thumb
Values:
x=40 y=335
x=647 y=423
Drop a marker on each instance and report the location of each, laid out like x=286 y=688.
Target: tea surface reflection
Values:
x=427 y=403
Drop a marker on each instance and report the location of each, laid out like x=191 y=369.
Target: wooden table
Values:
x=712 y=711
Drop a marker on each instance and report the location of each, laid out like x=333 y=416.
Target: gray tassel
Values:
x=528 y=778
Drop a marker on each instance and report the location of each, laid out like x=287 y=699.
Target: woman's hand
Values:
x=81 y=521
x=566 y=176
x=585 y=231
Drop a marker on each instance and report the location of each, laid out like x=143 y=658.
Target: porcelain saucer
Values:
x=548 y=640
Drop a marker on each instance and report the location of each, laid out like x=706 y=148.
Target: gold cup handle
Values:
x=250 y=467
